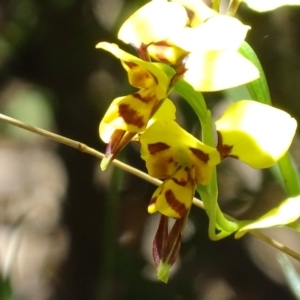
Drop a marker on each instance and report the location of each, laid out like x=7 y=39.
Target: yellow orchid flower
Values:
x=172 y=153
x=255 y=133
x=129 y=115
x=173 y=31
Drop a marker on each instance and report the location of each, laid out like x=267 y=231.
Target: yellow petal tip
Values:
x=152 y=208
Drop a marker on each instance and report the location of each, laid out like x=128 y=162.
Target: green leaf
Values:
x=258 y=88
x=195 y=99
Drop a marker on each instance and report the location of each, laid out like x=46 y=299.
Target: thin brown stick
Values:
x=84 y=148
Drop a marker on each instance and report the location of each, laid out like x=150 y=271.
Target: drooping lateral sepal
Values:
x=166 y=246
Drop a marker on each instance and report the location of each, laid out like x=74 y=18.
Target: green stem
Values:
x=258 y=89
x=216 y=5
x=208 y=193
x=216 y=217
x=233 y=7
x=195 y=99
x=290 y=175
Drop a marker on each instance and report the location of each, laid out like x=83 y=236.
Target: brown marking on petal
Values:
x=162 y=43
x=159 y=53
x=156 y=106
x=143 y=53
x=179 y=73
x=145 y=99
x=175 y=204
x=191 y=15
x=223 y=149
x=153 y=200
x=114 y=141
x=130 y=64
x=119 y=139
x=157 y=147
x=130 y=116
x=200 y=154
x=150 y=97
x=191 y=178
x=160 y=49
x=181 y=182
x=155 y=79
x=138 y=96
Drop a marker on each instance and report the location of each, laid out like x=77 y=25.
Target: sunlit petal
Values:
x=156 y=71
x=140 y=77
x=166 y=52
x=287 y=212
x=167 y=111
x=129 y=113
x=218 y=70
x=217 y=33
x=174 y=197
x=259 y=134
x=165 y=146
x=153 y=22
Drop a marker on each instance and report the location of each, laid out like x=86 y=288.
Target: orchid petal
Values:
x=259 y=134
x=287 y=212
x=217 y=33
x=166 y=111
x=218 y=70
x=174 y=197
x=129 y=113
x=165 y=146
x=152 y=23
x=166 y=52
x=156 y=71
